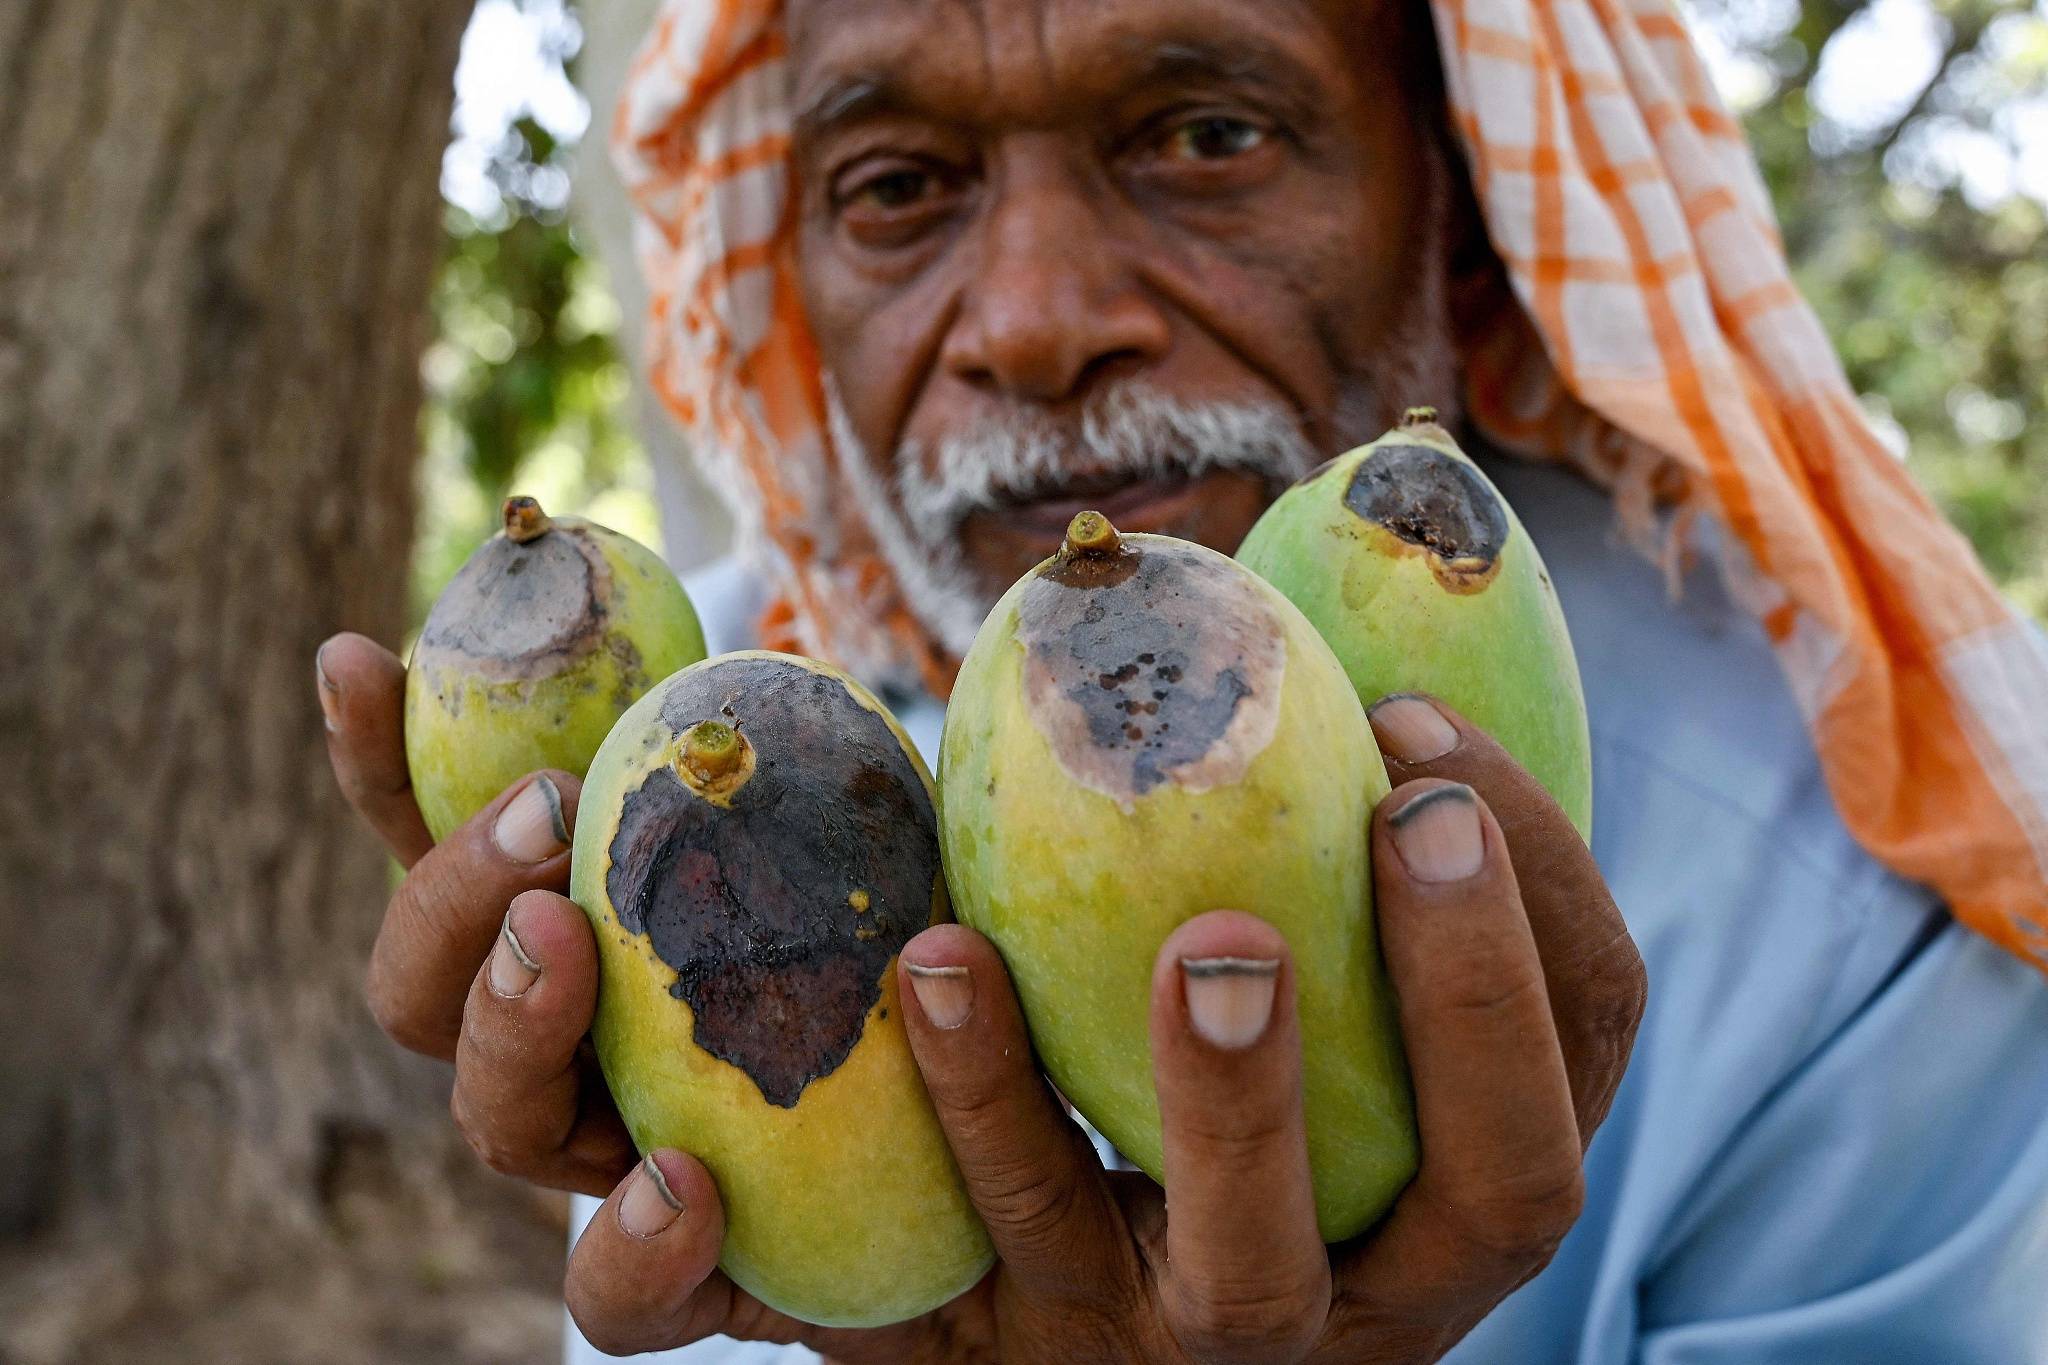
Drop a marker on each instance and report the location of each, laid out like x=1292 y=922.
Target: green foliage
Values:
x=1933 y=283
x=526 y=390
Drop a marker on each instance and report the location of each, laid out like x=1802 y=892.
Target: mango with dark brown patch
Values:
x=540 y=642
x=1144 y=731
x=1421 y=578
x=756 y=843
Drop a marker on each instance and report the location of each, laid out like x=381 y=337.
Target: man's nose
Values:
x=1054 y=306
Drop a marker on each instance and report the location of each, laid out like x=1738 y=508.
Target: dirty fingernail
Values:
x=330 y=695
x=1438 y=835
x=530 y=828
x=1230 y=999
x=1411 y=729
x=649 y=1207
x=512 y=969
x=945 y=993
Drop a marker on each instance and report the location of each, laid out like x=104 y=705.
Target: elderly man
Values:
x=933 y=274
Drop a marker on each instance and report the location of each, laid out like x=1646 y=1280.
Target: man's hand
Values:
x=453 y=974
x=1519 y=993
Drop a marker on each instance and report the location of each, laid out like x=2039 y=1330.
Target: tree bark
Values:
x=218 y=224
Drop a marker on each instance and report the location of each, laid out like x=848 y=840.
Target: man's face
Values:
x=1152 y=256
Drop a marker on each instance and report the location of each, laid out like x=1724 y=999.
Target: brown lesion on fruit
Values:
x=1149 y=662
x=1431 y=503
x=754 y=902
x=526 y=605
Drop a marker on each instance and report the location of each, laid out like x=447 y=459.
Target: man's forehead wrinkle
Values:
x=990 y=62
x=1240 y=60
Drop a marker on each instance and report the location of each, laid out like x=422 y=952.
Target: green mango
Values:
x=756 y=843
x=1144 y=731
x=543 y=638
x=1421 y=578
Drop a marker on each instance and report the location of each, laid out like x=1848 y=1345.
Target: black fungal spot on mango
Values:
x=522 y=610
x=753 y=904
x=1436 y=503
x=1157 y=664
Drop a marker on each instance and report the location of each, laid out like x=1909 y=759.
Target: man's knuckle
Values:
x=1032 y=1202
x=397 y=1012
x=1524 y=1220
x=1233 y=1137
x=1618 y=987
x=494 y=1148
x=1221 y=1320
x=1488 y=992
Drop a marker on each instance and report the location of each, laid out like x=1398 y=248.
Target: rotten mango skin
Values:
x=548 y=632
x=749 y=900
x=1080 y=828
x=1419 y=575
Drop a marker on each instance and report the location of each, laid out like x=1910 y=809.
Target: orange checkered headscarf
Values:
x=1644 y=328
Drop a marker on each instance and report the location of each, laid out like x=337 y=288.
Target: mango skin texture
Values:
x=1481 y=629
x=506 y=678
x=1077 y=860
x=843 y=1205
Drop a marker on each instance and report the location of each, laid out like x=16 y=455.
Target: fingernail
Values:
x=530 y=828
x=512 y=970
x=1410 y=729
x=1438 y=835
x=1229 y=998
x=945 y=993
x=330 y=695
x=648 y=1206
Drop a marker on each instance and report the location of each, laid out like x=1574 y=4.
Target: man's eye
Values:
x=1214 y=137
x=892 y=189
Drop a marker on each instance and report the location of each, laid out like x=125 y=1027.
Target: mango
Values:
x=1144 y=731
x=1419 y=575
x=756 y=843
x=543 y=638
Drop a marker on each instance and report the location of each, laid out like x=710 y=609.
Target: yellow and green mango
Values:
x=1144 y=731
x=756 y=843
x=543 y=638
x=1421 y=578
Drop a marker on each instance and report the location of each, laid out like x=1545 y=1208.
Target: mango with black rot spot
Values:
x=1422 y=579
x=546 y=634
x=1144 y=731
x=755 y=844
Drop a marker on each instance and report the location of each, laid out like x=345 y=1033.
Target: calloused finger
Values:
x=1245 y=1275
x=1500 y=1181
x=1029 y=1169
x=445 y=916
x=643 y=1276
x=361 y=687
x=1590 y=964
x=528 y=1097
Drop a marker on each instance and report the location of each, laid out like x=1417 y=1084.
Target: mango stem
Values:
x=1090 y=533
x=525 y=521
x=712 y=749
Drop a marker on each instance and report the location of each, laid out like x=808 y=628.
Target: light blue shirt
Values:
x=1830 y=1146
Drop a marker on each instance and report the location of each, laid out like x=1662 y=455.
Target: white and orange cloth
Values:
x=1644 y=328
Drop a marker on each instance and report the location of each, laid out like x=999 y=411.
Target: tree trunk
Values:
x=218 y=224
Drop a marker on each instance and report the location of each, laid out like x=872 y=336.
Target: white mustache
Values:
x=1132 y=433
